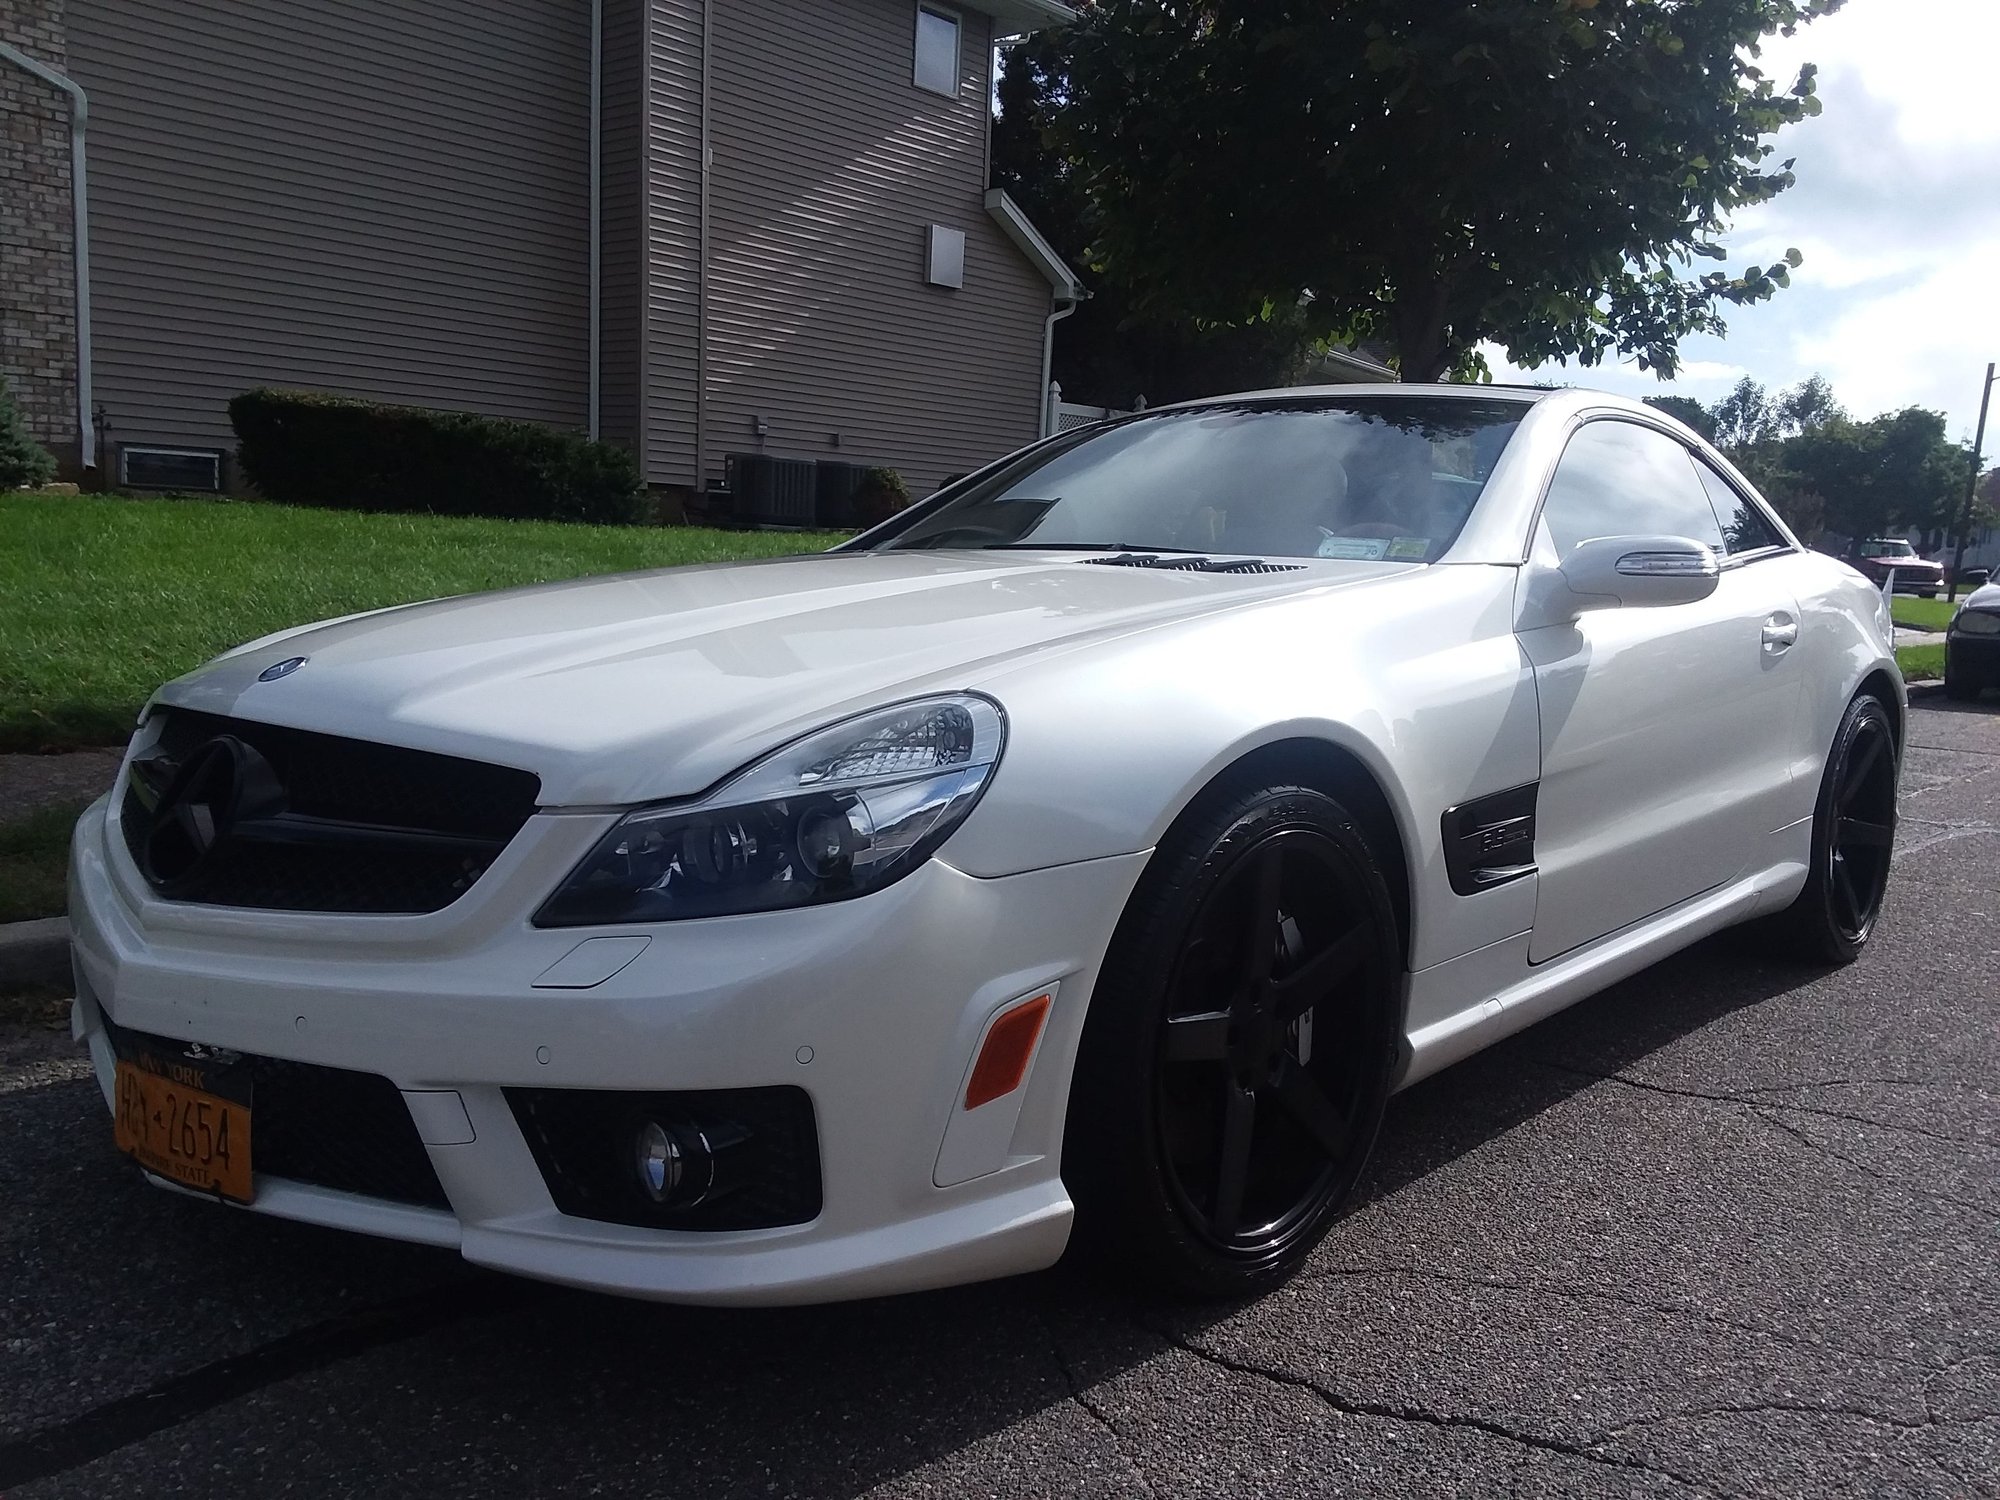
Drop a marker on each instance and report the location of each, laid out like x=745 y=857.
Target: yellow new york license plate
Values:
x=170 y=1123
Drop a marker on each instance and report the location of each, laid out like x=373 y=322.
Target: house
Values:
x=693 y=227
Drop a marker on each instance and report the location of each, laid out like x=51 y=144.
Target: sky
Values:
x=1896 y=210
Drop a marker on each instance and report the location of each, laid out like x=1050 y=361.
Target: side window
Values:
x=1621 y=479
x=937 y=50
x=1745 y=528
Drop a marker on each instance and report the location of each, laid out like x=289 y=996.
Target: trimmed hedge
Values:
x=308 y=448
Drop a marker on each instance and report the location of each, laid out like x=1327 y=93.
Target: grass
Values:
x=1920 y=663
x=1922 y=614
x=34 y=862
x=107 y=597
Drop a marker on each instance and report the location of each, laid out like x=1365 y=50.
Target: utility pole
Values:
x=1971 y=486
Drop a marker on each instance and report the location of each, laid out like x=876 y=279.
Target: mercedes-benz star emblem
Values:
x=279 y=669
x=221 y=784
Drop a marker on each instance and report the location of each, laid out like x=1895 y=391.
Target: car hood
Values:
x=646 y=686
x=1986 y=596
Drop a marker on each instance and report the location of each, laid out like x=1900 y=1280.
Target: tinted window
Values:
x=1619 y=479
x=1744 y=527
x=1389 y=479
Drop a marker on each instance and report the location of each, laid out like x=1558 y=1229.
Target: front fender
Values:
x=1421 y=680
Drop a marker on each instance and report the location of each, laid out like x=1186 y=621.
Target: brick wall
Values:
x=37 y=252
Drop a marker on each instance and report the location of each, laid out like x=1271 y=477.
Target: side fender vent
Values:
x=1491 y=840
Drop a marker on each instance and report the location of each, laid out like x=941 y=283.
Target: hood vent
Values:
x=1179 y=563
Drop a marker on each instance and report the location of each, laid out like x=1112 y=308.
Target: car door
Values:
x=1666 y=731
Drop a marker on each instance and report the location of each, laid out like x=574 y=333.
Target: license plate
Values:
x=175 y=1119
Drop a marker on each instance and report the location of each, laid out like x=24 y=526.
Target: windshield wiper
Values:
x=1077 y=547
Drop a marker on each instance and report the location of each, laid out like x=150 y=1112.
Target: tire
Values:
x=1187 y=1024
x=1853 y=837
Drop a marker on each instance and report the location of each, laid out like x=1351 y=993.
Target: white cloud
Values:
x=1897 y=213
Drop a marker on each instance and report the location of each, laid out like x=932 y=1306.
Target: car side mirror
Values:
x=1640 y=572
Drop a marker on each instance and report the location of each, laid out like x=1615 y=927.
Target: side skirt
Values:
x=1445 y=1029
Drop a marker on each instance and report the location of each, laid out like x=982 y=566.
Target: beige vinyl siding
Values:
x=673 y=227
x=622 y=225
x=829 y=163
x=366 y=196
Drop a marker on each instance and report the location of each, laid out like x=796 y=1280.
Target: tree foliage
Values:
x=1110 y=351
x=1538 y=173
x=1823 y=469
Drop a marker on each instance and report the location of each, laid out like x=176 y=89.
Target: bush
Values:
x=23 y=461
x=880 y=495
x=307 y=448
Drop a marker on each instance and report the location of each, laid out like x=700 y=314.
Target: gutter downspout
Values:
x=1048 y=355
x=701 y=270
x=79 y=115
x=596 y=207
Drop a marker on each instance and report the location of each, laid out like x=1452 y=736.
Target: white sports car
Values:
x=1086 y=854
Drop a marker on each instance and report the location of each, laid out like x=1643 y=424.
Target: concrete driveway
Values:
x=1732 y=1228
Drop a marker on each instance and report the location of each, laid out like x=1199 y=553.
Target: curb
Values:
x=34 y=953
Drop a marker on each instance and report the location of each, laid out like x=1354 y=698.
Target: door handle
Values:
x=1781 y=633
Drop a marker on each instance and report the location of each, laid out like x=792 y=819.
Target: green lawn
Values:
x=1920 y=663
x=1922 y=614
x=103 y=598
x=34 y=862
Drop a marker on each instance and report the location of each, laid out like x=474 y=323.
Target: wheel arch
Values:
x=1336 y=770
x=1882 y=683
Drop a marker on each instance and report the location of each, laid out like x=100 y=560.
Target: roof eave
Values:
x=1021 y=230
x=1019 y=17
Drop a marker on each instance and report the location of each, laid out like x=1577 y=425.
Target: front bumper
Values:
x=1975 y=658
x=874 y=1007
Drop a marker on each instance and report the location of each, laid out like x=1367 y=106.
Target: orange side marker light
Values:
x=1003 y=1060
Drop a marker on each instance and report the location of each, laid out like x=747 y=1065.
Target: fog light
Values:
x=676 y=1164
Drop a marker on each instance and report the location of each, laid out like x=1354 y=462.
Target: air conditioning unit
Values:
x=767 y=491
x=834 y=484
x=143 y=468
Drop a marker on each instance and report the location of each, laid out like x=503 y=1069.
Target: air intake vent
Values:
x=198 y=469
x=1180 y=563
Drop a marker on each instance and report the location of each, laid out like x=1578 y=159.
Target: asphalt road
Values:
x=1732 y=1228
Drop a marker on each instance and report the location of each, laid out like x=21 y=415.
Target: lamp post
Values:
x=1971 y=486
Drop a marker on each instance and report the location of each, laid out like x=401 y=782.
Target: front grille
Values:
x=330 y=1127
x=765 y=1154
x=350 y=827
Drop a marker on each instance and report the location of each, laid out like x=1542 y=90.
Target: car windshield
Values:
x=1386 y=478
x=1887 y=549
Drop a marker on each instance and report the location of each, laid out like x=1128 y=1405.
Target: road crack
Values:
x=1755 y=1104
x=1420 y=1416
x=1092 y=1410
x=1533 y=1289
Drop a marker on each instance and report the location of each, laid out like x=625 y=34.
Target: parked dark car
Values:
x=1972 y=646
x=1876 y=555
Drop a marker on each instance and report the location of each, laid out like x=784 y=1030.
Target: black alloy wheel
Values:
x=1239 y=1050
x=1854 y=836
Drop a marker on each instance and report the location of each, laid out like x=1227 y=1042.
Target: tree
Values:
x=23 y=461
x=1109 y=351
x=1538 y=173
x=1892 y=472
x=1687 y=410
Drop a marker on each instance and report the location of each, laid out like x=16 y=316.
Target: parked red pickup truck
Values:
x=1876 y=555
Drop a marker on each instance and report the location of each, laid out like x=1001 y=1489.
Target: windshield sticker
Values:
x=1413 y=548
x=1358 y=548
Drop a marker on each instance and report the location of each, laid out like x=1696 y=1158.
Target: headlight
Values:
x=837 y=814
x=1976 y=622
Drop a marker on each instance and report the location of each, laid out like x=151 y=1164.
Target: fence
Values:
x=1060 y=415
